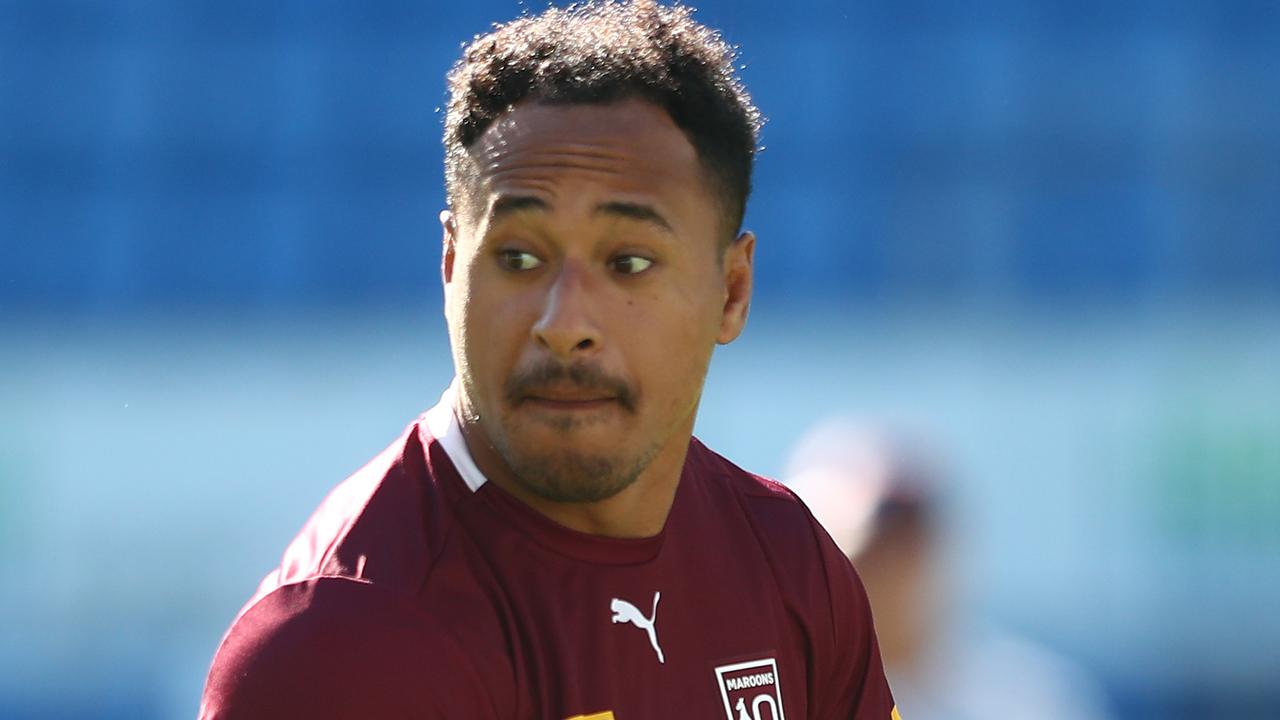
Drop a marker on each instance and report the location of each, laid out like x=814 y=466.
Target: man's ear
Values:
x=448 y=251
x=739 y=259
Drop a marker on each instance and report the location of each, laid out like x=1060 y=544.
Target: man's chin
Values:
x=572 y=477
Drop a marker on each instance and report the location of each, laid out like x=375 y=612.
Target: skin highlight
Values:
x=586 y=286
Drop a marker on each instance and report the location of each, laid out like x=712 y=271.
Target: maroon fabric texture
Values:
x=407 y=595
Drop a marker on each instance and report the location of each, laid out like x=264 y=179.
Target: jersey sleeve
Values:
x=858 y=688
x=332 y=648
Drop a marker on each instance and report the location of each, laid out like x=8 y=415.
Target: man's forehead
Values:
x=599 y=137
x=592 y=155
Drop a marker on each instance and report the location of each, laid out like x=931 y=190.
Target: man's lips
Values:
x=568 y=400
x=555 y=387
x=568 y=404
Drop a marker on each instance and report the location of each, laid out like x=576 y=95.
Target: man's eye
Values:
x=519 y=260
x=631 y=264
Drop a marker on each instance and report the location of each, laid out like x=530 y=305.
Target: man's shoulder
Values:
x=790 y=538
x=340 y=629
x=787 y=533
x=815 y=581
x=382 y=525
x=764 y=499
x=336 y=647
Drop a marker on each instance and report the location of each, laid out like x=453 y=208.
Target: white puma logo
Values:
x=625 y=612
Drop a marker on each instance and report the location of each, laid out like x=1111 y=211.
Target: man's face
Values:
x=586 y=285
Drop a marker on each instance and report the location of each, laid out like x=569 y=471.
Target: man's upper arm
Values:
x=340 y=648
x=859 y=690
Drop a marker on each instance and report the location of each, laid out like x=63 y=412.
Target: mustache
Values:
x=527 y=381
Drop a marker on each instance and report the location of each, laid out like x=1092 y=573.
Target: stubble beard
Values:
x=565 y=475
x=557 y=471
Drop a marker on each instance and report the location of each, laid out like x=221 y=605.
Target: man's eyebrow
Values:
x=635 y=211
x=506 y=205
x=513 y=204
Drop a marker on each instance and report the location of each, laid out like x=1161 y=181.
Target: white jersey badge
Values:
x=751 y=690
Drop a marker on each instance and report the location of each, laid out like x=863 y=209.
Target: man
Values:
x=549 y=541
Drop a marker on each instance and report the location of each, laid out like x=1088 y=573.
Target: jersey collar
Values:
x=442 y=423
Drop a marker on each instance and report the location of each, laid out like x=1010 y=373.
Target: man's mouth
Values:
x=568 y=388
x=568 y=399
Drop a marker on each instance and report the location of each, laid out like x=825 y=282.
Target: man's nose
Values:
x=567 y=327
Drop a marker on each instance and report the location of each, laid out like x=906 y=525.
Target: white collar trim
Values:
x=442 y=423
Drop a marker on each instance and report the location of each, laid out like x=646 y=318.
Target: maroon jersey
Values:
x=418 y=590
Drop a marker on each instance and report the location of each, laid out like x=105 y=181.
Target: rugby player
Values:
x=549 y=541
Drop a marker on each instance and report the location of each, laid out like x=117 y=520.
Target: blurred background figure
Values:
x=882 y=500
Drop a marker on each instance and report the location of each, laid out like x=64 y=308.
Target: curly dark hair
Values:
x=601 y=52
